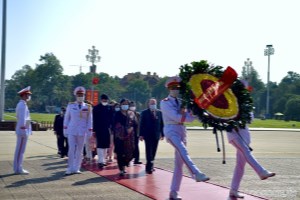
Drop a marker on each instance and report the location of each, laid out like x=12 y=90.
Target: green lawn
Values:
x=257 y=123
x=39 y=117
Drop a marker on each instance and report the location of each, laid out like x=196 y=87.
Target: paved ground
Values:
x=278 y=151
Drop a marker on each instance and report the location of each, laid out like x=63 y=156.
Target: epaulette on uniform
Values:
x=166 y=99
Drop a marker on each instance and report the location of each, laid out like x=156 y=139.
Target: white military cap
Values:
x=25 y=91
x=79 y=90
x=173 y=81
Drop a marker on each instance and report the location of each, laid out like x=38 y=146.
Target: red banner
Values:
x=92 y=96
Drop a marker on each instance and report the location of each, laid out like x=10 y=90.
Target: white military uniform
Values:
x=175 y=133
x=77 y=126
x=23 y=130
x=241 y=141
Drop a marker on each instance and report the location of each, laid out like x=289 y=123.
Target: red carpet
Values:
x=156 y=185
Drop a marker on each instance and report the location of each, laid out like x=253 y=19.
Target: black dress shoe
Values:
x=101 y=165
x=149 y=171
x=122 y=173
x=137 y=162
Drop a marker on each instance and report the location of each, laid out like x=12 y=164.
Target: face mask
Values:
x=80 y=99
x=117 y=109
x=124 y=107
x=174 y=93
x=28 y=98
x=152 y=107
x=104 y=103
x=132 y=108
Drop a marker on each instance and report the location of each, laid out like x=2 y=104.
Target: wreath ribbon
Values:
x=217 y=88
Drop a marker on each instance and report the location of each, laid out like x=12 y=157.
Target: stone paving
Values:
x=277 y=151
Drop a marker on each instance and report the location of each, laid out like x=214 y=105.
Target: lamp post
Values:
x=3 y=50
x=268 y=52
x=93 y=58
x=248 y=64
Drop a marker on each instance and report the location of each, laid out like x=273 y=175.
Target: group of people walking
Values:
x=121 y=125
x=116 y=127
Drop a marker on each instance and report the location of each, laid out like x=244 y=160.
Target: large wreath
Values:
x=229 y=110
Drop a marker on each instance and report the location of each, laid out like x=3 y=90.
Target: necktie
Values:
x=79 y=106
x=176 y=100
x=153 y=114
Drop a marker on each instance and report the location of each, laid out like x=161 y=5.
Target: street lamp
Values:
x=268 y=51
x=93 y=58
x=248 y=64
x=3 y=56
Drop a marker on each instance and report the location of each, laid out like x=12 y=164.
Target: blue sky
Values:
x=156 y=36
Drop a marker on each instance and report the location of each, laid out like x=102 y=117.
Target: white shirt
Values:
x=78 y=121
x=23 y=118
x=172 y=112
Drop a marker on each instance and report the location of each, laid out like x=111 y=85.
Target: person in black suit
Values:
x=58 y=127
x=151 y=130
x=136 y=154
x=102 y=121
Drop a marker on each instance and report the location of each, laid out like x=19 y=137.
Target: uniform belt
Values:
x=173 y=123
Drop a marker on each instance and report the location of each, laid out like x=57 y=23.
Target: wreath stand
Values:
x=215 y=132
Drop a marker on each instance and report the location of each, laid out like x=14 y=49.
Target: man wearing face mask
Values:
x=102 y=117
x=151 y=130
x=58 y=128
x=23 y=130
x=136 y=154
x=174 y=117
x=78 y=124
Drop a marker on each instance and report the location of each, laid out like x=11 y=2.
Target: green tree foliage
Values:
x=258 y=93
x=159 y=90
x=138 y=91
x=51 y=88
x=110 y=85
x=292 y=108
x=48 y=81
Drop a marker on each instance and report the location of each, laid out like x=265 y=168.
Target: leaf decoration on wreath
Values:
x=216 y=96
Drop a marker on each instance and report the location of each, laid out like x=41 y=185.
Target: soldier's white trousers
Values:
x=243 y=156
x=177 y=138
x=75 y=152
x=19 y=152
x=102 y=153
x=88 y=149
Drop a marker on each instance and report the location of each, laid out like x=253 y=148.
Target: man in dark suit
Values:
x=151 y=130
x=62 y=141
x=102 y=121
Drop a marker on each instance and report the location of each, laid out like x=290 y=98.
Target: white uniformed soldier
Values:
x=175 y=132
x=23 y=130
x=77 y=126
x=240 y=139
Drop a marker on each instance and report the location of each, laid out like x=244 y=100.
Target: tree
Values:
x=21 y=79
x=110 y=85
x=159 y=91
x=259 y=91
x=138 y=91
x=49 y=83
x=292 y=108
